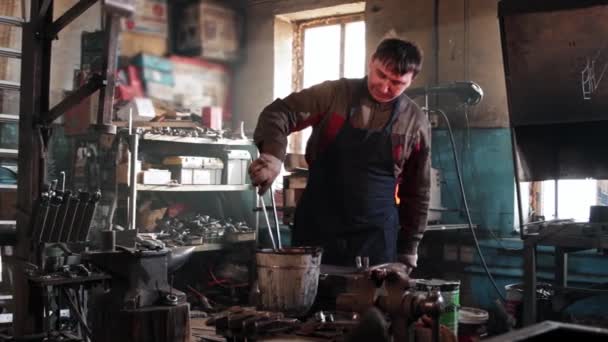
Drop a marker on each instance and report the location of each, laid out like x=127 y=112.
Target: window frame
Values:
x=299 y=45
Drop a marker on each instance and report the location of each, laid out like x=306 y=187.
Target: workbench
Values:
x=566 y=237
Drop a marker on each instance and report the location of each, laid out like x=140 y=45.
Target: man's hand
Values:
x=264 y=170
x=409 y=261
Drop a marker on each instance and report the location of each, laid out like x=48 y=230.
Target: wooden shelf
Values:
x=192 y=140
x=194 y=188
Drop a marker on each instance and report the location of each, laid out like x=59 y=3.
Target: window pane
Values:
x=354 y=50
x=575 y=198
x=321 y=54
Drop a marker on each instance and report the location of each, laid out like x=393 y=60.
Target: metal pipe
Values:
x=517 y=185
x=274 y=246
x=132 y=173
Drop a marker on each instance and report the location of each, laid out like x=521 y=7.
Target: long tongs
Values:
x=276 y=219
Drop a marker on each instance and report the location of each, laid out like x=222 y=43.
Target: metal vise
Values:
x=388 y=288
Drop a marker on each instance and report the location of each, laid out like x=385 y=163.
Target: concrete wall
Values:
x=469 y=46
x=66 y=50
x=469 y=49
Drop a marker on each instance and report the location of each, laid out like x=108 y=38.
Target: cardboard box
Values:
x=156 y=74
x=207 y=176
x=212 y=117
x=155 y=177
x=150 y=17
x=186 y=162
x=237 y=165
x=134 y=43
x=200 y=83
x=208 y=30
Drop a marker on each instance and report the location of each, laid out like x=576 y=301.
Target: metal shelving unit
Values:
x=193 y=188
x=193 y=140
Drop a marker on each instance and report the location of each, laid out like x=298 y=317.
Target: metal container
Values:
x=288 y=279
x=450 y=290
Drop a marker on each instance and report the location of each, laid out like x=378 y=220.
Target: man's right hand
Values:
x=264 y=170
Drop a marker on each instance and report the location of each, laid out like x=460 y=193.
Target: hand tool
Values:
x=83 y=199
x=69 y=218
x=63 y=208
x=88 y=216
x=46 y=230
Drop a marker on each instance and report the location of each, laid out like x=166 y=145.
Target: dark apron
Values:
x=348 y=206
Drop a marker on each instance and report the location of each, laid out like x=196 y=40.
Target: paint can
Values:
x=450 y=291
x=472 y=324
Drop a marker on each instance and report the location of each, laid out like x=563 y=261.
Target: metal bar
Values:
x=13 y=21
x=8 y=153
x=10 y=53
x=92 y=85
x=529 y=302
x=106 y=95
x=561 y=267
x=88 y=216
x=8 y=187
x=69 y=16
x=35 y=63
x=133 y=180
x=9 y=118
x=83 y=200
x=9 y=85
x=44 y=8
x=276 y=217
x=120 y=7
x=506 y=8
x=77 y=313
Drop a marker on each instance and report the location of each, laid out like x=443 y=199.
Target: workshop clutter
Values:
x=195 y=170
x=197 y=229
x=228 y=167
x=183 y=84
x=207 y=30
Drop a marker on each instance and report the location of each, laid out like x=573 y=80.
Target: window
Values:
x=330 y=49
x=327 y=49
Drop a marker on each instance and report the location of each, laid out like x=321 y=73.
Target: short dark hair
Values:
x=400 y=56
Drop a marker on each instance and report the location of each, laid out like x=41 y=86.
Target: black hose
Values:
x=466 y=205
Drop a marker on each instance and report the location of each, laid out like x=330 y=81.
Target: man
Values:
x=368 y=139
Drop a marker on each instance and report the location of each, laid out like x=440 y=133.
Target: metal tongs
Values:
x=276 y=220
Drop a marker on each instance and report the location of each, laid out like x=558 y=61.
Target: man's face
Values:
x=383 y=84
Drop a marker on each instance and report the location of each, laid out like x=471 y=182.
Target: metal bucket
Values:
x=288 y=279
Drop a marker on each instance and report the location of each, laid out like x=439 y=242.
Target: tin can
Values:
x=450 y=291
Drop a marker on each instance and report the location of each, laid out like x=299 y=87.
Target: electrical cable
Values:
x=466 y=206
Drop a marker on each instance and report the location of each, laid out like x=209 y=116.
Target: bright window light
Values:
x=321 y=54
x=354 y=50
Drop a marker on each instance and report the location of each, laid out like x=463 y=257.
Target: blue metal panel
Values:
x=487 y=167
